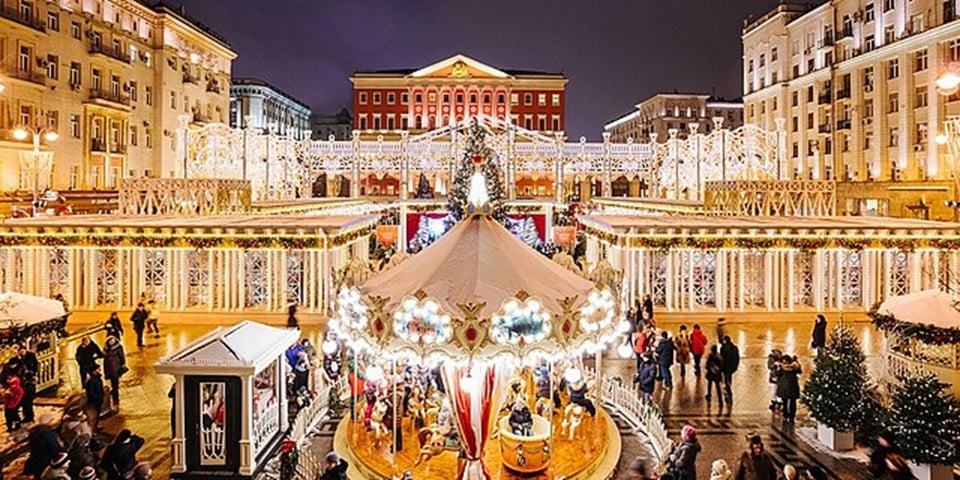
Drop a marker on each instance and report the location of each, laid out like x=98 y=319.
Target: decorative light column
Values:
x=37 y=133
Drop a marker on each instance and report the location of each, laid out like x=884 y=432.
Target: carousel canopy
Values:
x=245 y=346
x=478 y=260
x=18 y=309
x=927 y=307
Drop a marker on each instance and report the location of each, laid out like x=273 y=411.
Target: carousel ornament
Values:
x=432 y=443
x=422 y=322
x=379 y=428
x=572 y=418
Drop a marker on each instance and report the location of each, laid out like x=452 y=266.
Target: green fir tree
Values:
x=476 y=146
x=839 y=391
x=926 y=421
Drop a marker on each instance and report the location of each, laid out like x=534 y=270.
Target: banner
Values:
x=387 y=235
x=564 y=236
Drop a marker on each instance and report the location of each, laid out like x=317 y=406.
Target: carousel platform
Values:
x=592 y=454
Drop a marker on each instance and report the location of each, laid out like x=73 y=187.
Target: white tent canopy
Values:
x=18 y=309
x=927 y=307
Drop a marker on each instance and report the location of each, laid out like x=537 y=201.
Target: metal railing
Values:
x=32 y=76
x=114 y=97
x=29 y=20
x=643 y=417
x=310 y=466
x=100 y=49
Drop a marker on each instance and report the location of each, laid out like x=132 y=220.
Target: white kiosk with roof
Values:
x=230 y=400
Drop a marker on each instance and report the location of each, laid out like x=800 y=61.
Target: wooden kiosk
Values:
x=39 y=323
x=230 y=400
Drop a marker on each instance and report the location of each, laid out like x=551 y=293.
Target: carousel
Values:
x=477 y=358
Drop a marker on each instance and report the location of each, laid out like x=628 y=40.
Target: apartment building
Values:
x=115 y=79
x=266 y=106
x=667 y=111
x=853 y=82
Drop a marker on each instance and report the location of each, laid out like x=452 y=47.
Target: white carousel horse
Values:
x=380 y=430
x=432 y=443
x=572 y=418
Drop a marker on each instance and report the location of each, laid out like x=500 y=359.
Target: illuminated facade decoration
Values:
x=112 y=78
x=256 y=103
x=855 y=83
x=453 y=89
x=657 y=115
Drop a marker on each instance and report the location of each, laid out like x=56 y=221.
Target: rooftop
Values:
x=256 y=82
x=245 y=345
x=792 y=8
x=163 y=6
x=328 y=224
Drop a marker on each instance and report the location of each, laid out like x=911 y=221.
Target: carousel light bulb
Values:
x=374 y=373
x=625 y=351
x=573 y=375
x=409 y=304
x=511 y=306
x=624 y=326
x=533 y=305
x=329 y=347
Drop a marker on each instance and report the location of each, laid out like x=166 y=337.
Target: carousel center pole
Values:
x=393 y=400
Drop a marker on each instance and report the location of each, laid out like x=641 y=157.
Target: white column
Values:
x=691 y=291
x=211 y=271
x=740 y=280
x=817 y=280
x=246 y=452
x=791 y=286
x=719 y=281
x=177 y=444
x=670 y=282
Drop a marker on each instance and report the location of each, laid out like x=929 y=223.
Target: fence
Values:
x=310 y=466
x=642 y=416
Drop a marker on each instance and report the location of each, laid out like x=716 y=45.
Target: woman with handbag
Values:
x=114 y=366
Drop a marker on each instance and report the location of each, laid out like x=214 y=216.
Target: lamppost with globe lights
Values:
x=47 y=134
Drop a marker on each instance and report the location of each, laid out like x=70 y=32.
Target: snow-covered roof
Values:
x=246 y=345
x=22 y=310
x=927 y=307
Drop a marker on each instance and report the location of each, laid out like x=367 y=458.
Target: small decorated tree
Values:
x=926 y=421
x=476 y=152
x=839 y=391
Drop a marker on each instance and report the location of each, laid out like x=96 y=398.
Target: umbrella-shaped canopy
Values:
x=24 y=310
x=927 y=307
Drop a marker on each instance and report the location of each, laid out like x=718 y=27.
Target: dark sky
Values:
x=614 y=52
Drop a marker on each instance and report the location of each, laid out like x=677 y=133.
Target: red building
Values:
x=452 y=89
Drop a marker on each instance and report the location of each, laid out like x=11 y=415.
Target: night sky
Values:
x=614 y=52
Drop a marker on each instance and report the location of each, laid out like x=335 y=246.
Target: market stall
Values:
x=37 y=323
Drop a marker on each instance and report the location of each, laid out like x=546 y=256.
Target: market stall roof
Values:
x=478 y=260
x=927 y=307
x=329 y=224
x=18 y=309
x=247 y=345
x=718 y=224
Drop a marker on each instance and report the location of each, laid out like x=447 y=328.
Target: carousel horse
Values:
x=572 y=418
x=380 y=429
x=544 y=407
x=370 y=395
x=415 y=407
x=432 y=443
x=447 y=426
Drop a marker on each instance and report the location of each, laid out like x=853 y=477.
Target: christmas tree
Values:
x=839 y=389
x=476 y=152
x=925 y=421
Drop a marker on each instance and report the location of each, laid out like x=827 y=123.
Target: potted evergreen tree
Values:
x=926 y=424
x=838 y=390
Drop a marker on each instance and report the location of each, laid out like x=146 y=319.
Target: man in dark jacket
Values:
x=29 y=366
x=757 y=463
x=648 y=376
x=665 y=354
x=139 y=320
x=819 y=337
x=731 y=362
x=335 y=468
x=94 y=389
x=44 y=445
x=121 y=456
x=87 y=355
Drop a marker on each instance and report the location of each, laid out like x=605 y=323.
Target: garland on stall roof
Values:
x=297 y=243
x=203 y=243
x=758 y=244
x=854 y=244
x=899 y=244
x=151 y=242
x=253 y=243
x=354 y=235
x=15 y=334
x=807 y=244
x=926 y=333
x=106 y=241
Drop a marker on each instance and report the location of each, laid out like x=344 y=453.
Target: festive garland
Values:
x=15 y=334
x=855 y=244
x=899 y=244
x=53 y=241
x=755 y=244
x=705 y=243
x=297 y=243
x=351 y=236
x=946 y=243
x=106 y=241
x=151 y=242
x=926 y=333
x=203 y=243
x=253 y=243
x=807 y=244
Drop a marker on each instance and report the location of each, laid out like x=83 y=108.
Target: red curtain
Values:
x=473 y=411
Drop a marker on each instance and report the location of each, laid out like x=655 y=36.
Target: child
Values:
x=11 y=403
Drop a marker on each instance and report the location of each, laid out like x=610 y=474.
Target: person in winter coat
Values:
x=153 y=317
x=788 y=386
x=756 y=464
x=12 y=396
x=684 y=461
x=648 y=376
x=114 y=366
x=121 y=456
x=682 y=344
x=578 y=395
x=29 y=366
x=878 y=457
x=94 y=389
x=113 y=326
x=87 y=355
x=521 y=421
x=43 y=445
x=714 y=374
x=647 y=312
x=74 y=425
x=57 y=469
x=773 y=367
x=335 y=468
x=698 y=346
x=641 y=343
x=139 y=320
x=720 y=470
x=82 y=454
x=665 y=353
x=640 y=470
x=731 y=362
x=819 y=336
x=542 y=382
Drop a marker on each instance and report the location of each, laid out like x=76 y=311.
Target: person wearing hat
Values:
x=521 y=422
x=29 y=366
x=12 y=396
x=43 y=445
x=334 y=468
x=121 y=456
x=648 y=375
x=94 y=390
x=114 y=366
x=756 y=464
x=87 y=473
x=87 y=355
x=639 y=470
x=720 y=470
x=57 y=470
x=73 y=424
x=683 y=462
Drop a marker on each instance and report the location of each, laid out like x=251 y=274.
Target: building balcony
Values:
x=825 y=98
x=118 y=149
x=827 y=42
x=201 y=118
x=187 y=78
x=842 y=94
x=98 y=145
x=843 y=124
x=99 y=49
x=13 y=72
x=825 y=128
x=105 y=96
x=213 y=87
x=16 y=16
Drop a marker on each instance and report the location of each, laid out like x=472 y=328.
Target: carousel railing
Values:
x=266 y=425
x=643 y=417
x=310 y=465
x=47 y=375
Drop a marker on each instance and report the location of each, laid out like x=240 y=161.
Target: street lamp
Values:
x=40 y=132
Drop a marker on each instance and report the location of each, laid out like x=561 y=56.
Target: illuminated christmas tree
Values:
x=476 y=152
x=839 y=391
x=925 y=421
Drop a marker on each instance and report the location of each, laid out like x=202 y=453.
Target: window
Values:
x=96 y=79
x=763 y=108
x=26 y=10
x=376 y=122
x=541 y=123
x=796 y=71
x=75 y=30
x=376 y=98
x=527 y=122
x=391 y=98
x=148 y=95
x=432 y=97
x=446 y=98
x=53 y=21
x=527 y=99
x=920 y=60
x=894 y=136
x=74 y=177
x=773 y=77
x=888 y=5
x=133 y=53
x=845 y=142
x=473 y=98
x=776 y=105
x=404 y=98
x=74 y=74
x=889 y=36
x=501 y=98
x=920 y=97
x=173 y=100
x=868 y=77
x=810 y=94
x=487 y=98
x=917 y=24
x=796 y=150
x=810 y=120
x=390 y=123
x=555 y=120
x=893 y=103
x=75 y=126
x=148 y=138
x=363 y=122
x=541 y=99
x=53 y=67
x=53 y=120
x=115 y=85
x=893 y=69
x=133 y=135
x=146 y=59
x=867 y=140
x=868 y=108
x=418 y=97
x=794 y=125
x=555 y=99
x=404 y=123
x=362 y=98
x=953 y=50
x=773 y=54
x=868 y=13
x=26 y=53
x=795 y=98
x=514 y=99
x=870 y=43
x=763 y=60
x=133 y=91
x=26 y=115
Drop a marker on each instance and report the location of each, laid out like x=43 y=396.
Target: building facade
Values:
x=114 y=78
x=452 y=89
x=666 y=111
x=339 y=125
x=265 y=106
x=854 y=82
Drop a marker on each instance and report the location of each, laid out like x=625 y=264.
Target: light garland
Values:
x=517 y=322
x=422 y=322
